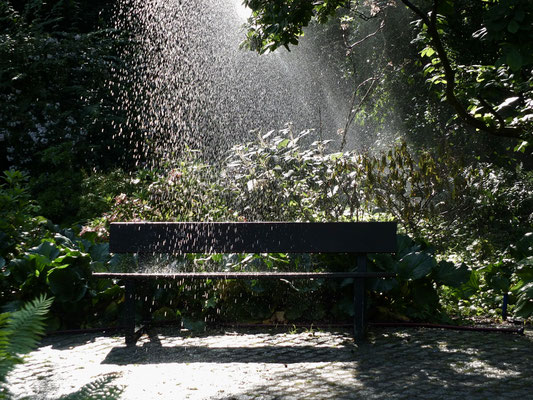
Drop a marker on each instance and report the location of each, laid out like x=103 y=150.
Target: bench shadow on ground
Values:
x=65 y=342
x=154 y=352
x=70 y=339
x=394 y=364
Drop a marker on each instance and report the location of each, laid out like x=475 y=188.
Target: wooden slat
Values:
x=253 y=237
x=243 y=275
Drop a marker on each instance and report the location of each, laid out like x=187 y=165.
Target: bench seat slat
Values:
x=244 y=275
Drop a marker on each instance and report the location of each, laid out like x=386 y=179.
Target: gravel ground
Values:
x=245 y=364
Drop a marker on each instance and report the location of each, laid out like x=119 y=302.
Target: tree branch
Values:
x=491 y=109
x=449 y=73
x=381 y=26
x=353 y=111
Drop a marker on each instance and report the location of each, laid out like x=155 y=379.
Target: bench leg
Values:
x=359 y=301
x=129 y=312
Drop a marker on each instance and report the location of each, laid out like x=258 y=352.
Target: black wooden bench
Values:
x=357 y=238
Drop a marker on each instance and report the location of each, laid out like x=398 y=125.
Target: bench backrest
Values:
x=252 y=237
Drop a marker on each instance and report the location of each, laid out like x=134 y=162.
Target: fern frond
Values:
x=4 y=333
x=100 y=389
x=20 y=332
x=26 y=326
x=7 y=360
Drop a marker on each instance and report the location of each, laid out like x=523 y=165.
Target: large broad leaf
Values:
x=524 y=305
x=165 y=314
x=499 y=282
x=39 y=262
x=514 y=59
x=527 y=290
x=524 y=247
x=425 y=296
x=21 y=269
x=415 y=265
x=524 y=309
x=382 y=262
x=4 y=241
x=66 y=284
x=99 y=252
x=64 y=241
x=524 y=269
x=404 y=244
x=383 y=285
x=47 y=250
x=447 y=273
x=471 y=287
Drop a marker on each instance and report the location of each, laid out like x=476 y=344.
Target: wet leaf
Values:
x=66 y=284
x=447 y=273
x=415 y=265
x=514 y=59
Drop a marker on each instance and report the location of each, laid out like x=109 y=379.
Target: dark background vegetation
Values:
x=452 y=166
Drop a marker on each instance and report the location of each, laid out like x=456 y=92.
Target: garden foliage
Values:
x=20 y=332
x=56 y=109
x=281 y=177
x=463 y=200
x=37 y=257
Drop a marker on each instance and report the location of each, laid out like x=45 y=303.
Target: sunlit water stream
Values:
x=186 y=84
x=193 y=87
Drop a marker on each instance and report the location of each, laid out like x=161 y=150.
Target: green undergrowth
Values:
x=450 y=262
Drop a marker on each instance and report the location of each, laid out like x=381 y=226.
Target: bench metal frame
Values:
x=357 y=238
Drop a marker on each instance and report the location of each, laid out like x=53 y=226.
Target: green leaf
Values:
x=2 y=262
x=513 y=26
x=21 y=269
x=99 y=252
x=404 y=244
x=507 y=102
x=283 y=143
x=20 y=332
x=447 y=273
x=499 y=282
x=66 y=284
x=527 y=290
x=46 y=249
x=415 y=265
x=519 y=15
x=383 y=262
x=523 y=248
x=514 y=59
x=427 y=52
x=211 y=302
x=164 y=314
x=522 y=146
x=383 y=285
x=524 y=307
x=39 y=261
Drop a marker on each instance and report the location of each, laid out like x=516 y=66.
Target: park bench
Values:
x=356 y=238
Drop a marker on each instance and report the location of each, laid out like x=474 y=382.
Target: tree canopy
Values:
x=477 y=56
